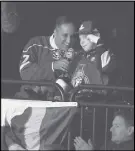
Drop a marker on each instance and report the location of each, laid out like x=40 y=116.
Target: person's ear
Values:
x=131 y=130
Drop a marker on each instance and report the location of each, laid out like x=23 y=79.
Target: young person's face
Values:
x=85 y=42
x=64 y=36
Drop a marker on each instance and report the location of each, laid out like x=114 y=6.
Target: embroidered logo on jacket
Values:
x=58 y=54
x=82 y=27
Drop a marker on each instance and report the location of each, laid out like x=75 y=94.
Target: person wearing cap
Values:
x=43 y=56
x=95 y=61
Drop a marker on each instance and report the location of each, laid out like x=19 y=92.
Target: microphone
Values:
x=64 y=79
x=69 y=54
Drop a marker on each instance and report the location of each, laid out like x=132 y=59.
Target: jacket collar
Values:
x=52 y=42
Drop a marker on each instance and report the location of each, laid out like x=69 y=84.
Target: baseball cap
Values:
x=87 y=28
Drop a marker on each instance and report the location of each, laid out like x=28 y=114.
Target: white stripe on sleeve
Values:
x=24 y=64
x=105 y=58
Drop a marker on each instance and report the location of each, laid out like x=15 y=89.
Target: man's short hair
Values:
x=63 y=20
x=127 y=115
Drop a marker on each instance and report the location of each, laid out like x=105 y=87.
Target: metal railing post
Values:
x=93 y=127
x=69 y=140
x=81 y=122
x=106 y=122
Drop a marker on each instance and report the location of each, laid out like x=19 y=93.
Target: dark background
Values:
x=38 y=18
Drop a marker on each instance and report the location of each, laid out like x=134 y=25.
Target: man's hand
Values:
x=80 y=144
x=61 y=64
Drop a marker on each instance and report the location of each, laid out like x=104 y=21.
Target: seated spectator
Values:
x=122 y=134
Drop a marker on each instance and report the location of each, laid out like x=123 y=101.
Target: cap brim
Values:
x=83 y=32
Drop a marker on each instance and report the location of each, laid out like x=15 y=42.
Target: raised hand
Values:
x=80 y=144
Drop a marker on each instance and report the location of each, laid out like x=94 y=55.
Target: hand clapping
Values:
x=80 y=144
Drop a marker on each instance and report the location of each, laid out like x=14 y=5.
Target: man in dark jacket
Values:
x=122 y=134
x=43 y=55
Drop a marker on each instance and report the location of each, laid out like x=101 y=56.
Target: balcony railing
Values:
x=83 y=105
x=106 y=106
x=46 y=83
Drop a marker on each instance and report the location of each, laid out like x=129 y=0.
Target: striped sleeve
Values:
x=30 y=64
x=108 y=61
